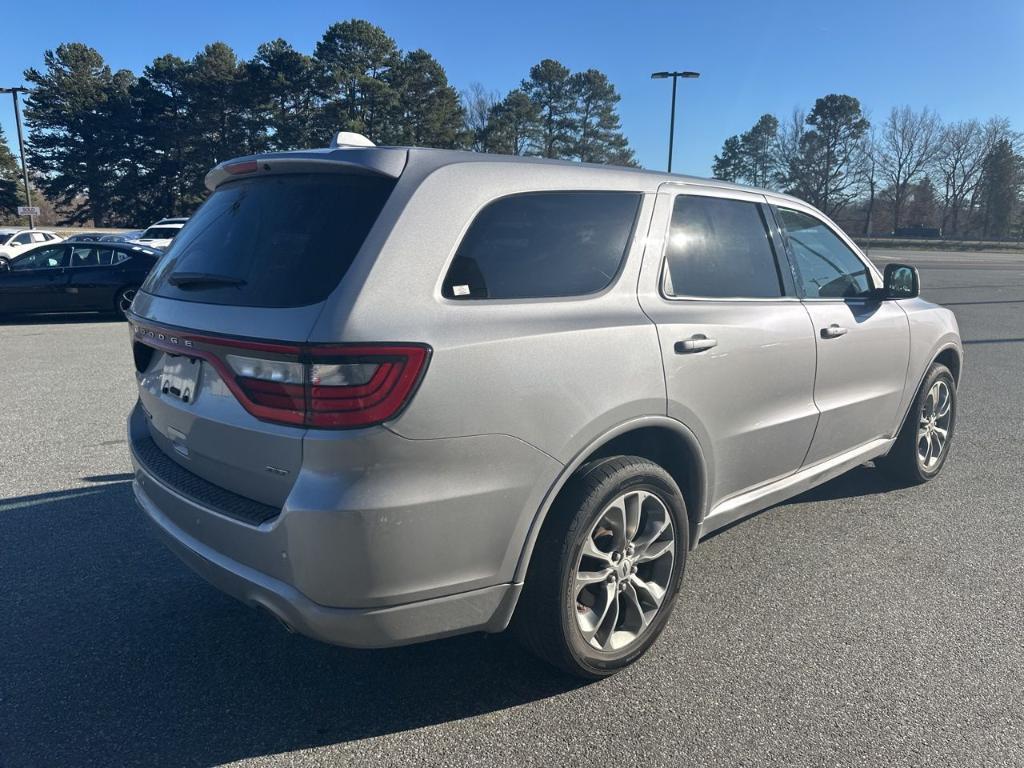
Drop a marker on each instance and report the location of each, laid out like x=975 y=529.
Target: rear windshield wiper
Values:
x=195 y=279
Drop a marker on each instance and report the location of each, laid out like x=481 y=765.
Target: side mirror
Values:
x=901 y=282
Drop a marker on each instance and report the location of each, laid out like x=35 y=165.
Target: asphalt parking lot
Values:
x=859 y=624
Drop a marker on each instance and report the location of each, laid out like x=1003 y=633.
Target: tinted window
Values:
x=276 y=241
x=825 y=266
x=543 y=244
x=24 y=238
x=160 y=233
x=85 y=257
x=42 y=258
x=720 y=248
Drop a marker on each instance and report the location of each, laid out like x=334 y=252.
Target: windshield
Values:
x=276 y=241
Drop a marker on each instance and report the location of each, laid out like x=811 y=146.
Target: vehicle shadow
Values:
x=115 y=653
x=864 y=480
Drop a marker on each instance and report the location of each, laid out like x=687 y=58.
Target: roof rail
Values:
x=350 y=139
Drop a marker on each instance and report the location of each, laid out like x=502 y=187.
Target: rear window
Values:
x=275 y=241
x=543 y=244
x=160 y=233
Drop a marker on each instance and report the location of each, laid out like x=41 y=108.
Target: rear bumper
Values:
x=488 y=609
x=381 y=541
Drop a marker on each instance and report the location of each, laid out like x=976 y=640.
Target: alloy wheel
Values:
x=624 y=570
x=933 y=428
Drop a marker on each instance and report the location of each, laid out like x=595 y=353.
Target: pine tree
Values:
x=72 y=140
x=596 y=129
x=431 y=112
x=359 y=58
x=10 y=176
x=730 y=165
x=513 y=126
x=549 y=88
x=286 y=89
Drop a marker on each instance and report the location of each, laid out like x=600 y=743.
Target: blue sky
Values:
x=963 y=59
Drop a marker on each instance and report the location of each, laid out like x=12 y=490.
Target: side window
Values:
x=826 y=268
x=543 y=244
x=84 y=257
x=38 y=237
x=109 y=257
x=720 y=248
x=23 y=239
x=43 y=258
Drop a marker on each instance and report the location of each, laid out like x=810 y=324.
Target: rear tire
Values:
x=923 y=444
x=605 y=573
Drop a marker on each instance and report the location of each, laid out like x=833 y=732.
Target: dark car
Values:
x=75 y=277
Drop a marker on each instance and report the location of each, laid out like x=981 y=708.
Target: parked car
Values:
x=161 y=234
x=15 y=241
x=422 y=392
x=85 y=237
x=74 y=277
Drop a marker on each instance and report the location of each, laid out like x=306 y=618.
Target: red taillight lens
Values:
x=363 y=385
x=337 y=387
x=246 y=166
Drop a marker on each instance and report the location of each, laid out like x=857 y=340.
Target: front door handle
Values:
x=696 y=343
x=834 y=331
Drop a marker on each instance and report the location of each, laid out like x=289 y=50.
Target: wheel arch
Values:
x=661 y=439
x=950 y=354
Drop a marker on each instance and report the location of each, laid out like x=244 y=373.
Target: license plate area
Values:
x=180 y=377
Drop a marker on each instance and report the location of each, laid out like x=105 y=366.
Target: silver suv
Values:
x=392 y=394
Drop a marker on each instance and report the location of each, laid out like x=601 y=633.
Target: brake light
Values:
x=356 y=385
x=246 y=166
x=361 y=385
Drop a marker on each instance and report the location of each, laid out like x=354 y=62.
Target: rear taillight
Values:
x=360 y=385
x=348 y=386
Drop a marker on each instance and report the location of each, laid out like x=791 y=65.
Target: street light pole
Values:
x=672 y=118
x=21 y=148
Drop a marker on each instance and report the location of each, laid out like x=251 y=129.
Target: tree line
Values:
x=118 y=148
x=911 y=171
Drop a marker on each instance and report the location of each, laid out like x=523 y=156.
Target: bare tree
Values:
x=995 y=130
x=869 y=175
x=909 y=143
x=787 y=143
x=959 y=163
x=478 y=102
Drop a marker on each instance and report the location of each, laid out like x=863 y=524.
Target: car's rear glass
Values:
x=160 y=233
x=275 y=241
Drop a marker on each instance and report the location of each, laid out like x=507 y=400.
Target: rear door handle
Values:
x=696 y=343
x=833 y=331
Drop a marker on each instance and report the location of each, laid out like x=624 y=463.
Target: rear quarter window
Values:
x=543 y=244
x=273 y=241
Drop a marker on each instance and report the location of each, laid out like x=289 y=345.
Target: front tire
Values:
x=604 y=576
x=922 y=446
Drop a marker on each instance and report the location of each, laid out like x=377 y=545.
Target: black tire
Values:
x=546 y=617
x=123 y=293
x=904 y=463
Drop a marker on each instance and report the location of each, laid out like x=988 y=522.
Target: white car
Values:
x=161 y=234
x=17 y=241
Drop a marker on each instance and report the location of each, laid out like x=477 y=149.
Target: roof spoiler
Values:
x=348 y=153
